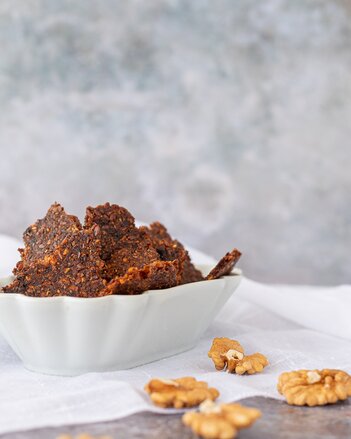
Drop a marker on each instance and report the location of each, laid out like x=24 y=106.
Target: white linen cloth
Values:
x=294 y=327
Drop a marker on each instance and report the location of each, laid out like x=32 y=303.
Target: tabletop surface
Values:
x=279 y=420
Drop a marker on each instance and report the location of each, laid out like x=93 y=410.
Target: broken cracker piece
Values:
x=225 y=265
x=154 y=276
x=73 y=269
x=46 y=234
x=114 y=222
x=170 y=249
x=123 y=244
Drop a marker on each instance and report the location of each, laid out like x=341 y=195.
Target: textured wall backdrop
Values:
x=228 y=120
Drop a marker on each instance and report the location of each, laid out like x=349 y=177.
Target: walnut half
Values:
x=315 y=387
x=250 y=364
x=179 y=393
x=220 y=421
x=229 y=354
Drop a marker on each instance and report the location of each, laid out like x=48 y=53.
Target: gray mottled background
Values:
x=228 y=120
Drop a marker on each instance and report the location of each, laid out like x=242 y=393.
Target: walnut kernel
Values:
x=220 y=421
x=315 y=387
x=229 y=354
x=179 y=393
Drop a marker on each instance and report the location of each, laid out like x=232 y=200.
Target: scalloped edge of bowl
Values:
x=70 y=335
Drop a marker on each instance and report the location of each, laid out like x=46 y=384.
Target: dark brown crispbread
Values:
x=109 y=255
x=158 y=231
x=46 y=234
x=190 y=272
x=225 y=265
x=123 y=244
x=114 y=222
x=154 y=276
x=74 y=268
x=170 y=249
x=167 y=248
x=132 y=250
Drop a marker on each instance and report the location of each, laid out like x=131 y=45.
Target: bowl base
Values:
x=75 y=371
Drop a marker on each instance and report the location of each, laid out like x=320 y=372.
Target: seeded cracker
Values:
x=225 y=265
x=170 y=249
x=123 y=244
x=109 y=255
x=73 y=269
x=155 y=276
x=46 y=234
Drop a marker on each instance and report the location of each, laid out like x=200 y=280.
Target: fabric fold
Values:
x=295 y=327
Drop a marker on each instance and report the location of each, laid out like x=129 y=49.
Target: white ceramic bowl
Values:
x=72 y=336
